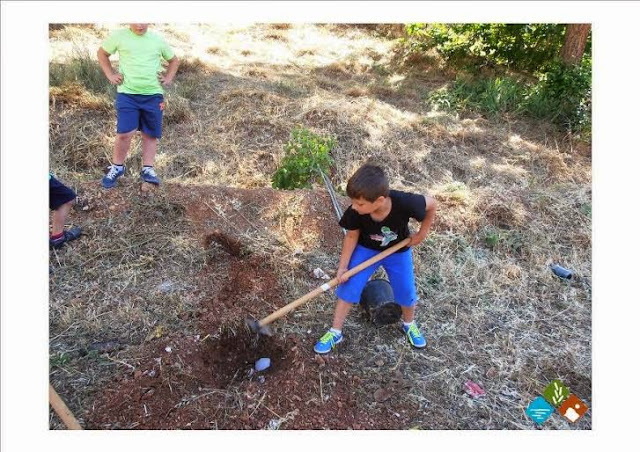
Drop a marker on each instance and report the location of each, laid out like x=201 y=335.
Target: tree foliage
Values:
x=526 y=47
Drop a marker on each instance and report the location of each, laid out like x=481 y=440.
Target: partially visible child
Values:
x=377 y=219
x=61 y=199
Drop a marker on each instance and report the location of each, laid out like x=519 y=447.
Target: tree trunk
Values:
x=575 y=41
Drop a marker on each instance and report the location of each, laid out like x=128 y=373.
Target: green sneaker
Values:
x=327 y=342
x=414 y=335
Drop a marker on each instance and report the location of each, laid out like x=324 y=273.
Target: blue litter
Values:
x=561 y=272
x=262 y=364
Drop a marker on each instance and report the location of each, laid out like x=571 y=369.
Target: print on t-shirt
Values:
x=387 y=236
x=379 y=235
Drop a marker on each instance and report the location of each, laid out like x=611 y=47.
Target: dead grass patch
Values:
x=80 y=141
x=75 y=94
x=76 y=32
x=177 y=109
x=304 y=52
x=356 y=91
x=281 y=26
x=500 y=209
x=193 y=66
x=276 y=37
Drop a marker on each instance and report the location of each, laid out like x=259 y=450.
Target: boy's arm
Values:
x=425 y=226
x=103 y=59
x=348 y=245
x=167 y=78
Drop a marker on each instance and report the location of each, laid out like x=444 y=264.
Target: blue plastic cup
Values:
x=561 y=272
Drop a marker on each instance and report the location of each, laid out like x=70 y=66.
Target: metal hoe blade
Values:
x=257 y=328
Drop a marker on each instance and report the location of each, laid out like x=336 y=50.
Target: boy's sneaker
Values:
x=67 y=236
x=327 y=342
x=414 y=335
x=109 y=180
x=148 y=174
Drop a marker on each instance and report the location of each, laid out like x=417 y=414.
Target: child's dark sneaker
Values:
x=414 y=335
x=148 y=174
x=327 y=342
x=109 y=180
x=67 y=236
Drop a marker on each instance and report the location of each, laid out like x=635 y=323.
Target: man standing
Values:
x=140 y=101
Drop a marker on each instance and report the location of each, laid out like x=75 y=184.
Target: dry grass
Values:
x=514 y=196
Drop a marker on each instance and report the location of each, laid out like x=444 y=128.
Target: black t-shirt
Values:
x=394 y=228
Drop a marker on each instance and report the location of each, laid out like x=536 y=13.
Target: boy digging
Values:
x=377 y=219
x=139 y=102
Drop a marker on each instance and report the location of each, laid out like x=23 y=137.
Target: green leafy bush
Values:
x=305 y=152
x=561 y=95
x=490 y=96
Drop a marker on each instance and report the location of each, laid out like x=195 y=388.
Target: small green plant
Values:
x=59 y=359
x=491 y=239
x=515 y=242
x=586 y=209
x=305 y=152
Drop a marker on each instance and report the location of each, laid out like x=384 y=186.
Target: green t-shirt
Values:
x=140 y=60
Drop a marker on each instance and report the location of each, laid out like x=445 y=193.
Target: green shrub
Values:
x=305 y=152
x=492 y=238
x=490 y=96
x=562 y=95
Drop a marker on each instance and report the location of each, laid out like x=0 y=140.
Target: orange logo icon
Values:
x=573 y=408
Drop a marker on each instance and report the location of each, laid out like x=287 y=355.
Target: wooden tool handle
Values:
x=334 y=282
x=62 y=411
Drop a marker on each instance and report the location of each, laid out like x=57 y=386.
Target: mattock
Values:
x=262 y=326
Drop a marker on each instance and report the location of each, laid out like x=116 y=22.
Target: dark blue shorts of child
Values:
x=399 y=268
x=140 y=112
x=59 y=193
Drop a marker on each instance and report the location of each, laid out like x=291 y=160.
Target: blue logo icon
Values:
x=539 y=410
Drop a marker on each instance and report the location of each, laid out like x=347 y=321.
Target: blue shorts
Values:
x=399 y=268
x=59 y=193
x=140 y=112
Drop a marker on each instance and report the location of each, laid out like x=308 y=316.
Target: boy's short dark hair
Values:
x=369 y=182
